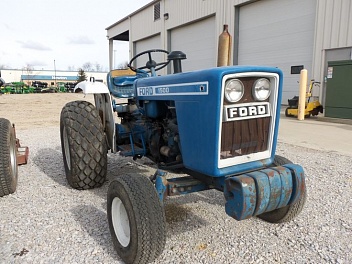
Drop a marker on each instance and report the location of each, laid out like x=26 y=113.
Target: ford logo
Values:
x=246 y=111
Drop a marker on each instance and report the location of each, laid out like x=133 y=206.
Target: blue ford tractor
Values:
x=218 y=126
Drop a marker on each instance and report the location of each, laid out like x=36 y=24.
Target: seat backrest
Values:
x=122 y=86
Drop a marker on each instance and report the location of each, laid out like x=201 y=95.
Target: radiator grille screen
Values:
x=243 y=137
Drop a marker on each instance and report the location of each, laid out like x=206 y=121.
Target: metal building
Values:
x=289 y=34
x=51 y=77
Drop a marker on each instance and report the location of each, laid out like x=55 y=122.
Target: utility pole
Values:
x=114 y=59
x=55 y=71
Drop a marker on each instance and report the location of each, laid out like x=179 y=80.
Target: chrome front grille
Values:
x=247 y=128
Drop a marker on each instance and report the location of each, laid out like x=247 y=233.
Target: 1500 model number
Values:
x=163 y=90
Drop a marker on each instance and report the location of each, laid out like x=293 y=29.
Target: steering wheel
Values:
x=151 y=65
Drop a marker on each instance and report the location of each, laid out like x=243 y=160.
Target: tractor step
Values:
x=177 y=186
x=130 y=150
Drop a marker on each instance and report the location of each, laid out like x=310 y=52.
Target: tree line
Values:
x=88 y=67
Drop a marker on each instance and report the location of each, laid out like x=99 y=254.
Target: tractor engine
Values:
x=153 y=129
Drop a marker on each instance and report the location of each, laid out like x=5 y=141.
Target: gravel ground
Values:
x=46 y=221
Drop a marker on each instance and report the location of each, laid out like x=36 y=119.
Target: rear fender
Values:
x=104 y=106
x=91 y=87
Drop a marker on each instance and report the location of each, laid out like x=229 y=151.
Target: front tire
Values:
x=83 y=143
x=289 y=212
x=8 y=158
x=136 y=219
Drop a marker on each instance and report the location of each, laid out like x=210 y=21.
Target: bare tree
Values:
x=87 y=66
x=71 y=68
x=122 y=65
x=97 y=66
x=3 y=67
x=29 y=71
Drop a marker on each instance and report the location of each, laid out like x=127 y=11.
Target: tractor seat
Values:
x=122 y=86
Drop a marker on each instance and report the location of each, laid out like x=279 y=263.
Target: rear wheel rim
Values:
x=120 y=222
x=13 y=156
x=66 y=148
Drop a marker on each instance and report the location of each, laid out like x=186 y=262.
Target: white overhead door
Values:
x=153 y=42
x=198 y=42
x=280 y=34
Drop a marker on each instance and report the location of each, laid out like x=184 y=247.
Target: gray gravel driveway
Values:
x=46 y=221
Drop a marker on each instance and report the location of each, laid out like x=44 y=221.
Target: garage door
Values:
x=147 y=44
x=280 y=34
x=198 y=41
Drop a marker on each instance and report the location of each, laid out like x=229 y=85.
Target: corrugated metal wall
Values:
x=333 y=27
x=180 y=12
x=185 y=11
x=333 y=31
x=143 y=24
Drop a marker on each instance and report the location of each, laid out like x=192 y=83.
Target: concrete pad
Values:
x=317 y=133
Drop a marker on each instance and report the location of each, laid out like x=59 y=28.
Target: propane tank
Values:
x=224 y=48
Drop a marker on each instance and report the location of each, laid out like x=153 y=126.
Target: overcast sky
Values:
x=71 y=32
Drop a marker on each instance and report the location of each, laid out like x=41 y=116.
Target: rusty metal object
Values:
x=22 y=152
x=263 y=191
x=176 y=186
x=224 y=48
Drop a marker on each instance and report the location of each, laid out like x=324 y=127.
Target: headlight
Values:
x=234 y=90
x=261 y=89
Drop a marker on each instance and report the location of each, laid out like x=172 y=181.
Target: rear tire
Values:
x=8 y=158
x=136 y=219
x=289 y=212
x=83 y=143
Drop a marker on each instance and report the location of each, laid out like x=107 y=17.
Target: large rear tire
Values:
x=83 y=143
x=8 y=158
x=136 y=219
x=289 y=212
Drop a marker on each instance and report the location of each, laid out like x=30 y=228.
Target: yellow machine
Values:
x=312 y=108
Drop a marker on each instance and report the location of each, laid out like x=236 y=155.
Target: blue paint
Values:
x=198 y=117
x=123 y=86
x=173 y=89
x=298 y=179
x=159 y=184
x=240 y=193
x=263 y=191
x=286 y=185
x=275 y=188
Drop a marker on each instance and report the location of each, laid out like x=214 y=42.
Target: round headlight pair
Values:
x=234 y=90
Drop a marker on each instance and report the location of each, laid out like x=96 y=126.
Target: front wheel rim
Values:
x=120 y=222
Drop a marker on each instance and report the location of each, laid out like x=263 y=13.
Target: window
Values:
x=296 y=69
x=157 y=11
